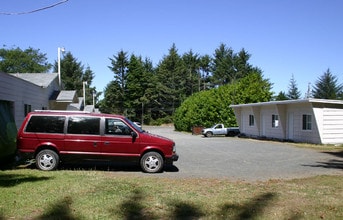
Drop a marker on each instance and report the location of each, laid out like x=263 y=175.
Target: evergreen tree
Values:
x=241 y=66
x=327 y=87
x=281 y=96
x=71 y=73
x=119 y=68
x=29 y=60
x=205 y=70
x=170 y=83
x=91 y=93
x=135 y=86
x=192 y=66
x=223 y=68
x=140 y=87
x=293 y=91
x=112 y=101
x=227 y=66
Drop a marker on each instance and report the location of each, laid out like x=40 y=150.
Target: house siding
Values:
x=269 y=130
x=248 y=129
x=21 y=92
x=332 y=126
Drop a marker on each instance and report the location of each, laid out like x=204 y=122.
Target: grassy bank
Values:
x=33 y=194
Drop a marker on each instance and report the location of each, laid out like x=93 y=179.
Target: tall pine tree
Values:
x=119 y=68
x=327 y=87
x=293 y=91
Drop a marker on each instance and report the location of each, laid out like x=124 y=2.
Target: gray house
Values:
x=317 y=121
x=24 y=92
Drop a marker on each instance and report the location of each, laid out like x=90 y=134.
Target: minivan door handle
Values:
x=106 y=142
x=95 y=144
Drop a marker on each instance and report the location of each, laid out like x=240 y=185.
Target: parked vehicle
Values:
x=220 y=129
x=53 y=136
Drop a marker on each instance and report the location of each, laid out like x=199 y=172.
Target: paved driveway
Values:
x=244 y=159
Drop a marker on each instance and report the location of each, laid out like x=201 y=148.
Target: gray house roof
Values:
x=64 y=96
x=39 y=79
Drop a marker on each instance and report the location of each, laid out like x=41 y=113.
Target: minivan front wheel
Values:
x=47 y=160
x=152 y=162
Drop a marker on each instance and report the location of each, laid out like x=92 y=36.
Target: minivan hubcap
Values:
x=46 y=160
x=152 y=162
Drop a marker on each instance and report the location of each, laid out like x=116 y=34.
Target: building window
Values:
x=275 y=121
x=27 y=109
x=251 y=120
x=307 y=122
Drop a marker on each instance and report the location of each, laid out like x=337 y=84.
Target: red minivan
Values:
x=53 y=136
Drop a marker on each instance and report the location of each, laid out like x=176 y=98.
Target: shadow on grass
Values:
x=132 y=208
x=59 y=210
x=11 y=180
x=249 y=210
x=184 y=210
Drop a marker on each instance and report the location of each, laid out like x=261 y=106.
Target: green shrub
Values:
x=206 y=108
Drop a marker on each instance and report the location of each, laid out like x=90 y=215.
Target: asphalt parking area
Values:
x=244 y=159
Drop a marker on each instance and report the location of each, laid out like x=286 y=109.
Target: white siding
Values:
x=263 y=121
x=300 y=135
x=270 y=131
x=332 y=131
x=247 y=129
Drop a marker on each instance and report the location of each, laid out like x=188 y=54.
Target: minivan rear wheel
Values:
x=152 y=162
x=47 y=160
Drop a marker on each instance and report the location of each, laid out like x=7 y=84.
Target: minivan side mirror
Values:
x=134 y=136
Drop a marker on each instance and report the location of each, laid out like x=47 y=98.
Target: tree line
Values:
x=152 y=94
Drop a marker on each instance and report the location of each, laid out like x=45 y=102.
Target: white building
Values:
x=318 y=121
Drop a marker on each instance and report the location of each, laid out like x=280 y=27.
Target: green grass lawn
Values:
x=68 y=194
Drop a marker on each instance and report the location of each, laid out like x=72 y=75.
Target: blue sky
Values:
x=284 y=37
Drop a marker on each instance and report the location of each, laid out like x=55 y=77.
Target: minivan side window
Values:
x=83 y=125
x=45 y=124
x=116 y=127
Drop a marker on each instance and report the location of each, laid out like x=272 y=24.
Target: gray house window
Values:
x=251 y=120
x=307 y=122
x=27 y=109
x=275 y=121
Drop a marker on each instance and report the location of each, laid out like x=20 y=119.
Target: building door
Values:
x=263 y=126
x=290 y=134
x=8 y=130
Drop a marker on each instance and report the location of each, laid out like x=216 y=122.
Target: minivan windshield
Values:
x=139 y=129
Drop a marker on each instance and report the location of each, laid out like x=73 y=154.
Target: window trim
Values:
x=275 y=121
x=27 y=109
x=251 y=120
x=307 y=122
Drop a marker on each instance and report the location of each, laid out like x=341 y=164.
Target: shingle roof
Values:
x=40 y=79
x=63 y=96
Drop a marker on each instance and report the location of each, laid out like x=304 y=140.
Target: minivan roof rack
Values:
x=70 y=111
